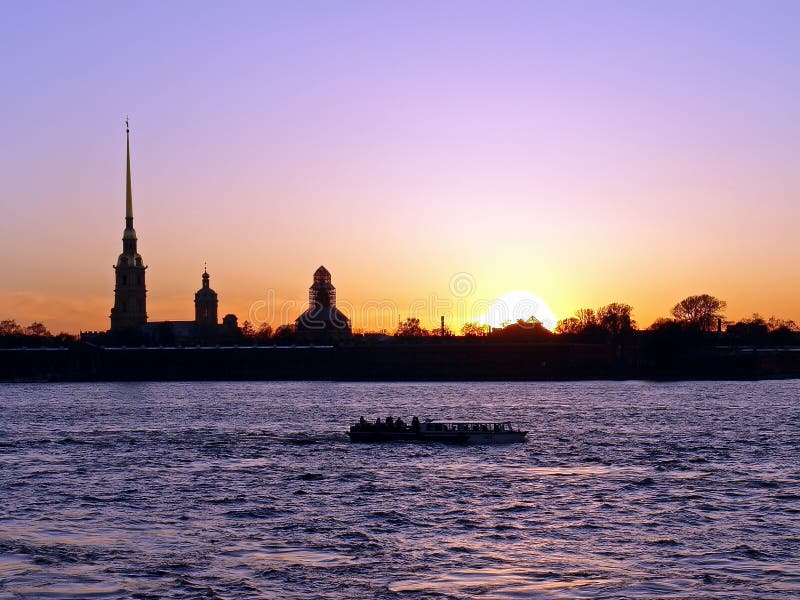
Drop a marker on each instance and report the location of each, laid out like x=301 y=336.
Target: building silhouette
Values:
x=130 y=293
x=205 y=304
x=322 y=321
x=204 y=329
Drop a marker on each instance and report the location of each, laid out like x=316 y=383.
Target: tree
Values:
x=37 y=329
x=587 y=318
x=749 y=331
x=437 y=332
x=774 y=324
x=65 y=338
x=783 y=332
x=666 y=329
x=284 y=333
x=474 y=330
x=662 y=323
x=410 y=328
x=615 y=318
x=10 y=327
x=247 y=330
x=585 y=323
x=569 y=326
x=264 y=332
x=701 y=312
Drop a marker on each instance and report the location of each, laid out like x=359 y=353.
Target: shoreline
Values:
x=452 y=362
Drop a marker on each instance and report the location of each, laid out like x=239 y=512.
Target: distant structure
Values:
x=322 y=321
x=205 y=327
x=230 y=325
x=130 y=293
x=129 y=324
x=205 y=304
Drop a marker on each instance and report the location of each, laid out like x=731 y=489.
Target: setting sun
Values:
x=516 y=305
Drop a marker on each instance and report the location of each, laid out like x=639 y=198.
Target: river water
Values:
x=252 y=490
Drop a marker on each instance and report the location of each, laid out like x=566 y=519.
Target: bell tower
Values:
x=130 y=294
x=205 y=303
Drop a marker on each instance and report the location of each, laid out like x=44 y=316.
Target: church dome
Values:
x=206 y=291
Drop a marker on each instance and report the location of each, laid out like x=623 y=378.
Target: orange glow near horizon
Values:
x=373 y=300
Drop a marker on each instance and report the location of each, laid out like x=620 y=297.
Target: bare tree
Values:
x=284 y=333
x=616 y=318
x=474 y=330
x=411 y=328
x=437 y=332
x=701 y=311
x=10 y=327
x=248 y=330
x=774 y=324
x=586 y=317
x=37 y=329
x=264 y=332
x=570 y=325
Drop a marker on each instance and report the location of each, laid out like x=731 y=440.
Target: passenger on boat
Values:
x=415 y=423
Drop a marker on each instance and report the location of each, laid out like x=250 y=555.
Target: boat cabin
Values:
x=466 y=427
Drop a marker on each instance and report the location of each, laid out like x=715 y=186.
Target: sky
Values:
x=434 y=156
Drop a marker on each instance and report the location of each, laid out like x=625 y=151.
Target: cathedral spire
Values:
x=128 y=190
x=130 y=293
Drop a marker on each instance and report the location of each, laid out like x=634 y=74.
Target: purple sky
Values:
x=587 y=152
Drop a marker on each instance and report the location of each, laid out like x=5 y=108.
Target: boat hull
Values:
x=445 y=437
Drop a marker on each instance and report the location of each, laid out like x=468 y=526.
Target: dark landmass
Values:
x=408 y=359
x=594 y=344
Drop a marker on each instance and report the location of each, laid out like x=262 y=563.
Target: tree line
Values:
x=35 y=334
x=694 y=315
x=693 y=318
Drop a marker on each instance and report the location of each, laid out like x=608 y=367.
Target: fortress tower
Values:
x=130 y=294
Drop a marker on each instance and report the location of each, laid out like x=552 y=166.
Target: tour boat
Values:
x=454 y=432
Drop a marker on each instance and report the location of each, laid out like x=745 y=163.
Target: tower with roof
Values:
x=322 y=320
x=205 y=303
x=130 y=293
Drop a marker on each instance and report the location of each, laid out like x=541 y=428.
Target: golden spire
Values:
x=128 y=191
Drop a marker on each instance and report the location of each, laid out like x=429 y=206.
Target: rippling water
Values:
x=252 y=490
